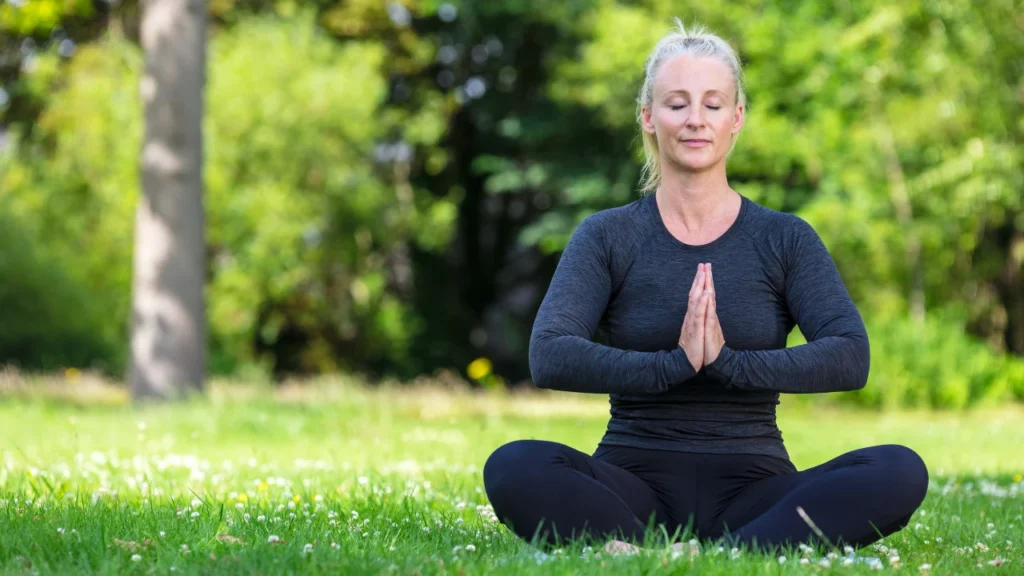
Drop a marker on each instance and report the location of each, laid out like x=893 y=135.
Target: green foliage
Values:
x=302 y=228
x=40 y=16
x=343 y=149
x=48 y=322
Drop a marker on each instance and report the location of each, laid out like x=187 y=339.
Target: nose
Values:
x=695 y=119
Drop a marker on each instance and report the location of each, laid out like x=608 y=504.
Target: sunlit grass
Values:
x=334 y=477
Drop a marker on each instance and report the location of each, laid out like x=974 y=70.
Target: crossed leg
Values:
x=558 y=493
x=854 y=499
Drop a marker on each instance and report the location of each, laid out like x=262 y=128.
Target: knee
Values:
x=513 y=462
x=907 y=471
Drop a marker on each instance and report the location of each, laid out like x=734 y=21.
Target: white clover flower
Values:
x=239 y=506
x=184 y=549
x=307 y=548
x=162 y=534
x=272 y=539
x=426 y=530
x=804 y=561
x=825 y=563
x=136 y=557
x=261 y=518
x=60 y=531
x=924 y=567
x=848 y=549
x=355 y=514
x=470 y=548
x=782 y=559
x=195 y=514
x=335 y=546
x=364 y=480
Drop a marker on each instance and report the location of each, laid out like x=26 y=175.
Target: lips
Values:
x=696 y=142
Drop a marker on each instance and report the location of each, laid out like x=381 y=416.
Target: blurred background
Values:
x=387 y=185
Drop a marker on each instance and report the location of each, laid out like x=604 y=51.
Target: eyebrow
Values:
x=687 y=93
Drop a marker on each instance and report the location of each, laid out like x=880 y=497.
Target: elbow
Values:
x=539 y=359
x=860 y=362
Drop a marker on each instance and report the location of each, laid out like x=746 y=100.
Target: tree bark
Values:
x=168 y=340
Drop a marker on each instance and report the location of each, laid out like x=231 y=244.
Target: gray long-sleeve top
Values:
x=623 y=272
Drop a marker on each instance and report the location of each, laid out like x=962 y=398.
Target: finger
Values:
x=702 y=308
x=698 y=283
x=710 y=282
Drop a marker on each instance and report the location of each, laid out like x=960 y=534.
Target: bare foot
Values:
x=616 y=547
x=689 y=549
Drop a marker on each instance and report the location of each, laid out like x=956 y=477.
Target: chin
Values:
x=695 y=165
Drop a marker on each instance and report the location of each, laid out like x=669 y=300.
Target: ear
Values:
x=738 y=118
x=646 y=123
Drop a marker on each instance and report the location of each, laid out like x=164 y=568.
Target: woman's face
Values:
x=694 y=113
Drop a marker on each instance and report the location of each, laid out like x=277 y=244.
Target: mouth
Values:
x=696 y=142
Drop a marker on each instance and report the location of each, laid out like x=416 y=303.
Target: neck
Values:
x=695 y=198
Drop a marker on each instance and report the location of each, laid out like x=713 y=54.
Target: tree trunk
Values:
x=168 y=342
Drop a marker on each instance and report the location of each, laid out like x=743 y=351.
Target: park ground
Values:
x=332 y=476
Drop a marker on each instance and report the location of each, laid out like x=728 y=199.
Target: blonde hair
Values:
x=697 y=41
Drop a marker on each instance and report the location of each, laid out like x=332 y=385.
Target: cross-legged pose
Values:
x=697 y=287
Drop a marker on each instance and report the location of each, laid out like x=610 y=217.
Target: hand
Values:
x=713 y=337
x=691 y=336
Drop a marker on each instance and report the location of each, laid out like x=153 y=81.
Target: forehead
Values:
x=693 y=75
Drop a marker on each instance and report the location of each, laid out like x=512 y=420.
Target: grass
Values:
x=333 y=477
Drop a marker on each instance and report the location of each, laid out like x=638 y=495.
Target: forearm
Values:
x=575 y=364
x=828 y=364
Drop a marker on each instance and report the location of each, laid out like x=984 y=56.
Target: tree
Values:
x=168 y=348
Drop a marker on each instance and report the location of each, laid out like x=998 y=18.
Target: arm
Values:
x=836 y=356
x=562 y=355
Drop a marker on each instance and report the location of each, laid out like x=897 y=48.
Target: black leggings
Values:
x=558 y=493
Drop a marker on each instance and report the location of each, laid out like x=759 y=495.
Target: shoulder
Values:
x=619 y=227
x=784 y=232
x=620 y=232
x=769 y=224
x=783 y=237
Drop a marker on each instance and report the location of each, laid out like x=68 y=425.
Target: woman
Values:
x=692 y=440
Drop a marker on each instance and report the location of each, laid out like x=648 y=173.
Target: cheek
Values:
x=723 y=128
x=666 y=120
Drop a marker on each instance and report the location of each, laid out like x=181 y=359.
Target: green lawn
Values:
x=336 y=478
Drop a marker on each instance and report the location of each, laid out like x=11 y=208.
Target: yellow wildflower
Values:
x=479 y=368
